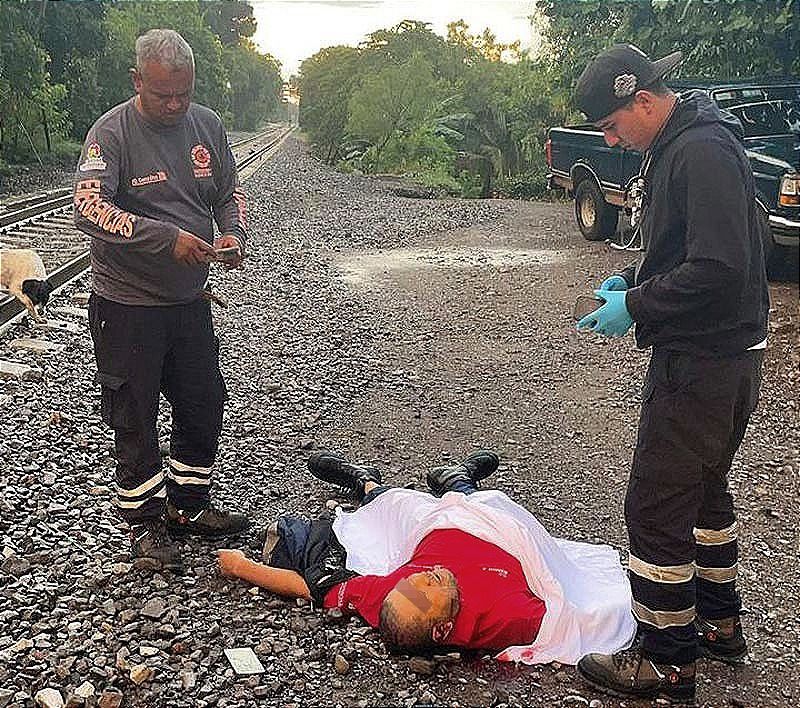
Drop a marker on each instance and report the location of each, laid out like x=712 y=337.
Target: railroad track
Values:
x=44 y=222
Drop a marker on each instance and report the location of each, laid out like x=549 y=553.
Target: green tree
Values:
x=232 y=20
x=74 y=36
x=326 y=82
x=124 y=22
x=719 y=38
x=255 y=82
x=29 y=100
x=394 y=103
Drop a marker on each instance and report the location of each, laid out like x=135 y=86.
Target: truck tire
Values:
x=596 y=218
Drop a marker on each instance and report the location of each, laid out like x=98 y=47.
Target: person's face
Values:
x=164 y=93
x=430 y=596
x=632 y=126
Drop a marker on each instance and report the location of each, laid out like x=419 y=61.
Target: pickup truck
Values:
x=598 y=176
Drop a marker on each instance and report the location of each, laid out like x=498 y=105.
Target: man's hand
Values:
x=191 y=250
x=230 y=562
x=228 y=242
x=614 y=282
x=611 y=319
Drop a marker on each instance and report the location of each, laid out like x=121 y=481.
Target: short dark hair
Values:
x=400 y=635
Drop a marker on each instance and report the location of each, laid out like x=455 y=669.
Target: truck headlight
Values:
x=790 y=190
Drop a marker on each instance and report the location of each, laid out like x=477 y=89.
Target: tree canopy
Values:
x=408 y=100
x=63 y=64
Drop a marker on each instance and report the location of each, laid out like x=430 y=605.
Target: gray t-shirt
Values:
x=137 y=184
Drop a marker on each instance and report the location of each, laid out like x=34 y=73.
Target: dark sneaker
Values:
x=208 y=522
x=630 y=673
x=474 y=468
x=721 y=639
x=333 y=468
x=149 y=542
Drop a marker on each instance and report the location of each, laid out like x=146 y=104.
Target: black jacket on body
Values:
x=701 y=285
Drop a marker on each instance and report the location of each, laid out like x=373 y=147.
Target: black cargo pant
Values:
x=142 y=352
x=681 y=522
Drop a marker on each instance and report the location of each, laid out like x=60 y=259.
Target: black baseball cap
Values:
x=612 y=78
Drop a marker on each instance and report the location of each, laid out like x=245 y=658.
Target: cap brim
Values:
x=668 y=63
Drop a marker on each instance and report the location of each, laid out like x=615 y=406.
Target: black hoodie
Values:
x=701 y=285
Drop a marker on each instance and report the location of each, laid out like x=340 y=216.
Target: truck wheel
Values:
x=597 y=219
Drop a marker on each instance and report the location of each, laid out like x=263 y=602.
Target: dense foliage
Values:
x=62 y=64
x=465 y=110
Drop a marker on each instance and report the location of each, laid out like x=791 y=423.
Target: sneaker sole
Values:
x=650 y=694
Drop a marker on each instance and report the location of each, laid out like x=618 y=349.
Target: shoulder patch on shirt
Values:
x=94 y=159
x=201 y=159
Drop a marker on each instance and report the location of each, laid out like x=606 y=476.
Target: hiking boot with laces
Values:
x=150 y=543
x=335 y=469
x=208 y=522
x=474 y=468
x=630 y=673
x=721 y=639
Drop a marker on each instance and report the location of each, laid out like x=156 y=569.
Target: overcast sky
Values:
x=293 y=30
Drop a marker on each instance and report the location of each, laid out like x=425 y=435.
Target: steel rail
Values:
x=37 y=209
x=15 y=204
x=10 y=307
x=29 y=208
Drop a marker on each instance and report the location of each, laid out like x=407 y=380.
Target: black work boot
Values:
x=333 y=468
x=208 y=522
x=466 y=474
x=630 y=673
x=149 y=542
x=721 y=639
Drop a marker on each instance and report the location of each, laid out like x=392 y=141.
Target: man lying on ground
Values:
x=464 y=568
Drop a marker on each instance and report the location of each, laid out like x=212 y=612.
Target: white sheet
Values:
x=584 y=586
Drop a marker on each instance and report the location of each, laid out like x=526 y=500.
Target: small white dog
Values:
x=22 y=273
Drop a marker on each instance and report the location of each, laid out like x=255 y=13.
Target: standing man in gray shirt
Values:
x=154 y=174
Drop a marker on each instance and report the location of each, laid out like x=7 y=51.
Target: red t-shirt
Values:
x=498 y=610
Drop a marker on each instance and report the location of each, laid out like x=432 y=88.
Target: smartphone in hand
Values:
x=586 y=304
x=229 y=254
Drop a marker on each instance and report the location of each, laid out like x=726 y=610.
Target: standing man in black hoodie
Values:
x=699 y=298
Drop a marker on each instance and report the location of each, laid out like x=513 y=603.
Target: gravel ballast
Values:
x=398 y=331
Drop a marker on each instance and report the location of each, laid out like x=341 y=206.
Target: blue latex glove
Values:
x=611 y=319
x=614 y=282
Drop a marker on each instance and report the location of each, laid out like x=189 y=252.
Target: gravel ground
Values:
x=403 y=332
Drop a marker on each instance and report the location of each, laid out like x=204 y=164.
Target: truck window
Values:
x=768 y=117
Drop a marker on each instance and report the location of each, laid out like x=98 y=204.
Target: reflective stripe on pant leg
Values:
x=716 y=537
x=138 y=497
x=188 y=485
x=193 y=385
x=129 y=345
x=661 y=507
x=717 y=554
x=139 y=476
